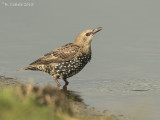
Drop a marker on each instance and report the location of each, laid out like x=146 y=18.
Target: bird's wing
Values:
x=64 y=53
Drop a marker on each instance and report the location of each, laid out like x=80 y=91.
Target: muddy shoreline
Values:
x=79 y=107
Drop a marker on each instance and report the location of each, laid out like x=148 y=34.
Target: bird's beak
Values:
x=97 y=30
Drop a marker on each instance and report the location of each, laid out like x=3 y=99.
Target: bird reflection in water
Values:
x=73 y=95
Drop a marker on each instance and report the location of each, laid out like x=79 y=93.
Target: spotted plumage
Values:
x=67 y=60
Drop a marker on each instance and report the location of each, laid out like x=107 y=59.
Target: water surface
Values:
x=123 y=75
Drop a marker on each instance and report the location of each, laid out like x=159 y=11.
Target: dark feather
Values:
x=64 y=53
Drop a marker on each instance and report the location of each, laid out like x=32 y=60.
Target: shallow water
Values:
x=123 y=75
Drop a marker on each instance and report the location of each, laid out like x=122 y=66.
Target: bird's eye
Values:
x=88 y=34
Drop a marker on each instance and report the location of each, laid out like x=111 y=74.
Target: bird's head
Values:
x=86 y=36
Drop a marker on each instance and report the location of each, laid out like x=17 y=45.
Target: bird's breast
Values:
x=69 y=68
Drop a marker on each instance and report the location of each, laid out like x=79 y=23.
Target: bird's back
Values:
x=64 y=53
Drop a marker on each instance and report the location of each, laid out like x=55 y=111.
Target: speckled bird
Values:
x=67 y=60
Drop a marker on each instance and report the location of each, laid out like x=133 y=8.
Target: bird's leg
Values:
x=65 y=88
x=66 y=82
x=58 y=84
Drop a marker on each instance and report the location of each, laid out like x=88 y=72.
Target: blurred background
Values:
x=125 y=63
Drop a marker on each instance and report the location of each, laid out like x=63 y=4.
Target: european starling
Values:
x=67 y=60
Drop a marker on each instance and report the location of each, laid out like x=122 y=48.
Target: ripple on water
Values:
x=120 y=87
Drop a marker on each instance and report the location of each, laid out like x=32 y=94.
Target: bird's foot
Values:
x=65 y=87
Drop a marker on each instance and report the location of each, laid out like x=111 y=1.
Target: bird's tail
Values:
x=20 y=70
x=30 y=67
